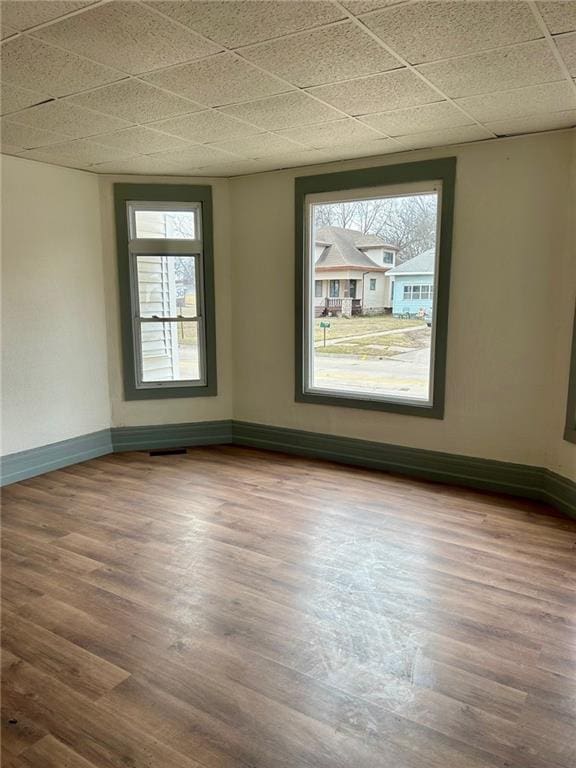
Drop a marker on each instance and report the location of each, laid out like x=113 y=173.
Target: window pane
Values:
x=170 y=351
x=167 y=286
x=379 y=340
x=172 y=225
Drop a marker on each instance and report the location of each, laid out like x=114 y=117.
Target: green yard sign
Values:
x=324 y=325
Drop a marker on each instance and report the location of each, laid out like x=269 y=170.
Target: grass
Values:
x=380 y=346
x=356 y=326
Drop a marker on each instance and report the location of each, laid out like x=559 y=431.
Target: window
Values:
x=370 y=367
x=334 y=288
x=388 y=257
x=570 y=432
x=167 y=290
x=318 y=289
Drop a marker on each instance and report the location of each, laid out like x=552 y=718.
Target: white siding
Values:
x=157 y=287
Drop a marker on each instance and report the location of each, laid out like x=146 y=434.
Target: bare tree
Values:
x=407 y=222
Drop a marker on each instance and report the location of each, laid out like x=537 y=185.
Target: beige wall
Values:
x=513 y=289
x=512 y=275
x=170 y=411
x=562 y=454
x=54 y=360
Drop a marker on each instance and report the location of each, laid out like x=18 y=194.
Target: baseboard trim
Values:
x=484 y=474
x=36 y=461
x=171 y=435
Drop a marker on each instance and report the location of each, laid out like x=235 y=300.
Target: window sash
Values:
x=135 y=251
x=166 y=206
x=380 y=192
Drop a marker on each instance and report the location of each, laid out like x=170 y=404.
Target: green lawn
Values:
x=356 y=326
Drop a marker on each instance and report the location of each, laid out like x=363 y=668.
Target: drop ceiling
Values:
x=186 y=87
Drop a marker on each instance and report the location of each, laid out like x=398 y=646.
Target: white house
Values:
x=350 y=272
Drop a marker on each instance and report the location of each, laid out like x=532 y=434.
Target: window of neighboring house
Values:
x=318 y=289
x=167 y=290
x=413 y=201
x=570 y=431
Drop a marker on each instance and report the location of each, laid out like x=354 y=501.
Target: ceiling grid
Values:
x=202 y=87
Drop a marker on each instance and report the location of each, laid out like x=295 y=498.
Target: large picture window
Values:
x=165 y=265
x=382 y=238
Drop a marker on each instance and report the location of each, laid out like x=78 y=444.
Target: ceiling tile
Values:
x=142 y=164
x=358 y=149
x=217 y=81
x=559 y=16
x=76 y=153
x=445 y=136
x=206 y=126
x=255 y=147
x=549 y=97
x=323 y=55
x=11 y=149
x=567 y=47
x=135 y=101
x=548 y=122
x=13 y=98
x=235 y=168
x=128 y=36
x=140 y=140
x=428 y=117
x=283 y=111
x=32 y=64
x=526 y=64
x=23 y=15
x=249 y=21
x=69 y=120
x=198 y=155
x=378 y=93
x=365 y=6
x=27 y=137
x=426 y=31
x=6 y=31
x=344 y=131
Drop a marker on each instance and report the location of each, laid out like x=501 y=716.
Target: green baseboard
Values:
x=171 y=435
x=37 y=461
x=484 y=474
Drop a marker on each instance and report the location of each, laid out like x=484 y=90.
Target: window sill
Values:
x=169 y=393
x=433 y=411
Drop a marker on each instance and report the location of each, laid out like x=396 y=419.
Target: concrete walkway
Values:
x=344 y=339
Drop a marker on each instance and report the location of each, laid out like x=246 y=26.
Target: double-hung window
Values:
x=386 y=354
x=167 y=294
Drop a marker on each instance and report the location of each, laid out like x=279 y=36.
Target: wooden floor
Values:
x=237 y=609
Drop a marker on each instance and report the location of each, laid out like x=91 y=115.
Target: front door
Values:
x=352 y=289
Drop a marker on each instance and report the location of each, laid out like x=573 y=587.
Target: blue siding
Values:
x=400 y=305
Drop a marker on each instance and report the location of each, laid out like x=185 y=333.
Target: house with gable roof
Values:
x=351 y=272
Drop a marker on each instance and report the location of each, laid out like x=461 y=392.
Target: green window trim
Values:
x=172 y=193
x=570 y=431
x=444 y=170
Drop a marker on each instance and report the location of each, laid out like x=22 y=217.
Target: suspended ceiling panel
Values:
x=225 y=88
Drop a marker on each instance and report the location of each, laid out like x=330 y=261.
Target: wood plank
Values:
x=232 y=608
